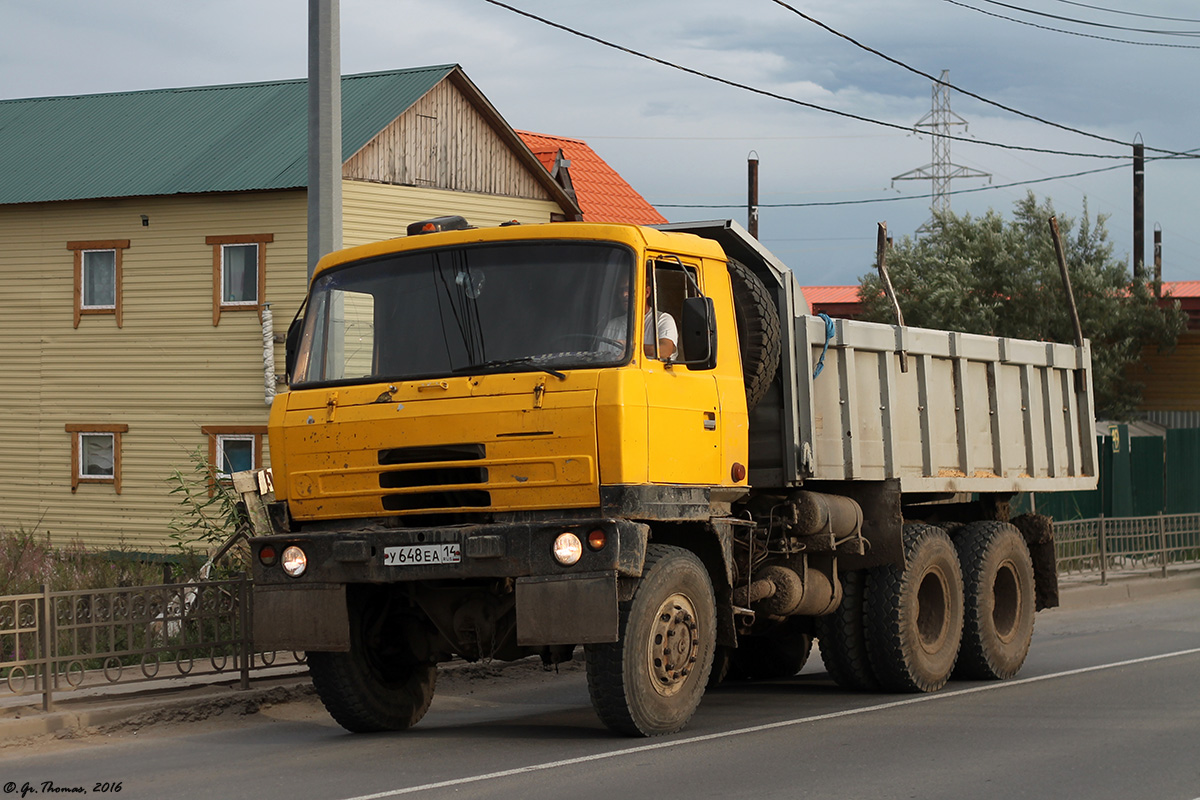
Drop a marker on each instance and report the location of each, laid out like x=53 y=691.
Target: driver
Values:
x=665 y=330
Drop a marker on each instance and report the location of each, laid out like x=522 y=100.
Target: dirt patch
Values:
x=236 y=705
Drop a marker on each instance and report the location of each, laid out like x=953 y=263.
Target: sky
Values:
x=681 y=139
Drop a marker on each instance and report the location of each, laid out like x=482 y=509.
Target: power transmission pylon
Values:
x=941 y=170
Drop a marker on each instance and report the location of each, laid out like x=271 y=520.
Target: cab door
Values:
x=683 y=411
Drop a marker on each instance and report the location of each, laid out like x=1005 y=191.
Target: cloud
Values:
x=680 y=138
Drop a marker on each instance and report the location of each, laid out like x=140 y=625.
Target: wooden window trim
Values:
x=117 y=245
x=260 y=239
x=116 y=430
x=259 y=432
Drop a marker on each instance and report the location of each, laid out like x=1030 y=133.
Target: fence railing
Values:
x=53 y=642
x=1106 y=545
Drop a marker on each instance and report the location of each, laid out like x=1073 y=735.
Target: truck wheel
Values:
x=998 y=591
x=650 y=681
x=915 y=613
x=379 y=685
x=842 y=638
x=758 y=331
x=778 y=653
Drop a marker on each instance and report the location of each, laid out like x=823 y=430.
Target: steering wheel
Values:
x=587 y=338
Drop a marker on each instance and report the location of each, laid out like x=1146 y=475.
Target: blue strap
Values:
x=829 y=331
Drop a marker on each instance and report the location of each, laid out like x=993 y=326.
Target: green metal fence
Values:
x=1140 y=476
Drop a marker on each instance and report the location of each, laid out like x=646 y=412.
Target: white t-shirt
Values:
x=615 y=331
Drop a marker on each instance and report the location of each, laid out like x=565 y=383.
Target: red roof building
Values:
x=602 y=194
x=836 y=301
x=843 y=301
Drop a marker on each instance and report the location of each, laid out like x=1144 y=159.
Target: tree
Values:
x=986 y=275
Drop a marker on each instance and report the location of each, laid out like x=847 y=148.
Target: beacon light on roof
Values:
x=450 y=223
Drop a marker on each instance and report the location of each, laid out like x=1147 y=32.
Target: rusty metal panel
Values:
x=567 y=609
x=301 y=618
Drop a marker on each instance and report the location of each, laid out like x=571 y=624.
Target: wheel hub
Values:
x=674 y=644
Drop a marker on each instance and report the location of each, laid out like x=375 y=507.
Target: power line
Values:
x=785 y=98
x=959 y=89
x=1087 y=22
x=1074 y=33
x=1128 y=13
x=895 y=199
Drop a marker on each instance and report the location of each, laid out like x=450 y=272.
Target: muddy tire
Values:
x=843 y=638
x=379 y=685
x=779 y=653
x=998 y=593
x=915 y=613
x=758 y=331
x=650 y=681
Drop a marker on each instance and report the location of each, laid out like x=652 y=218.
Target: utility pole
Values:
x=1139 y=209
x=324 y=130
x=752 y=199
x=941 y=170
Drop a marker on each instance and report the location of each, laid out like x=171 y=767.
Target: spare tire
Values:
x=757 y=329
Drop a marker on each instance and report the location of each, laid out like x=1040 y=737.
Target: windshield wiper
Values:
x=500 y=364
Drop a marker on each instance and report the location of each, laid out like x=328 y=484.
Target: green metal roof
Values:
x=244 y=137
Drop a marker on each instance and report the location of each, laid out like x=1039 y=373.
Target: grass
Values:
x=29 y=561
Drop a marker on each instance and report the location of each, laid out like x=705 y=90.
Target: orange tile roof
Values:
x=1182 y=289
x=831 y=294
x=603 y=195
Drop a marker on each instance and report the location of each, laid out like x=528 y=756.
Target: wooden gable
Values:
x=451 y=139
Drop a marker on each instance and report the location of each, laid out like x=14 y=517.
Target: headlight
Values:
x=567 y=549
x=294 y=561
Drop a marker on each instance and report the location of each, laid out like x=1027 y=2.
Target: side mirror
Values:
x=292 y=345
x=698 y=335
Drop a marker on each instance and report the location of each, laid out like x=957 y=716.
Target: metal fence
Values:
x=54 y=642
x=1104 y=545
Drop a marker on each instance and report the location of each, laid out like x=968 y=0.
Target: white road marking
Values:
x=645 y=748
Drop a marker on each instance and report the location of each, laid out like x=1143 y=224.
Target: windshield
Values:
x=487 y=308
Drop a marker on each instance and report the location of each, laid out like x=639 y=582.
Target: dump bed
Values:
x=937 y=411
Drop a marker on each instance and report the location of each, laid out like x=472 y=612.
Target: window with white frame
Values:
x=235 y=453
x=96 y=454
x=234 y=448
x=239 y=274
x=99 y=279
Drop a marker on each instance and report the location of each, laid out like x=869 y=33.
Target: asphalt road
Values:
x=1108 y=706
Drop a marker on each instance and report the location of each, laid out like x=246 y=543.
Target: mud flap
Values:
x=301 y=618
x=567 y=609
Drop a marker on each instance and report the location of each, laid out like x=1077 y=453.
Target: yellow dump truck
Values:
x=514 y=441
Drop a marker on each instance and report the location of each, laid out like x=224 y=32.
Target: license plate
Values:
x=420 y=554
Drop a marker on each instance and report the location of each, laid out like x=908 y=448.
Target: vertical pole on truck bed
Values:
x=881 y=244
x=1066 y=278
x=752 y=194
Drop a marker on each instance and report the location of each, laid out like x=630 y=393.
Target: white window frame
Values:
x=97 y=476
x=83 y=266
x=257 y=266
x=222 y=438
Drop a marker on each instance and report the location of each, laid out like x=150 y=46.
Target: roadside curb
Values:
x=1124 y=589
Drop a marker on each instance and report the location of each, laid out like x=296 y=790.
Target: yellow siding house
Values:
x=145 y=233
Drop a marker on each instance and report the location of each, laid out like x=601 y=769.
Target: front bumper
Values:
x=500 y=550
